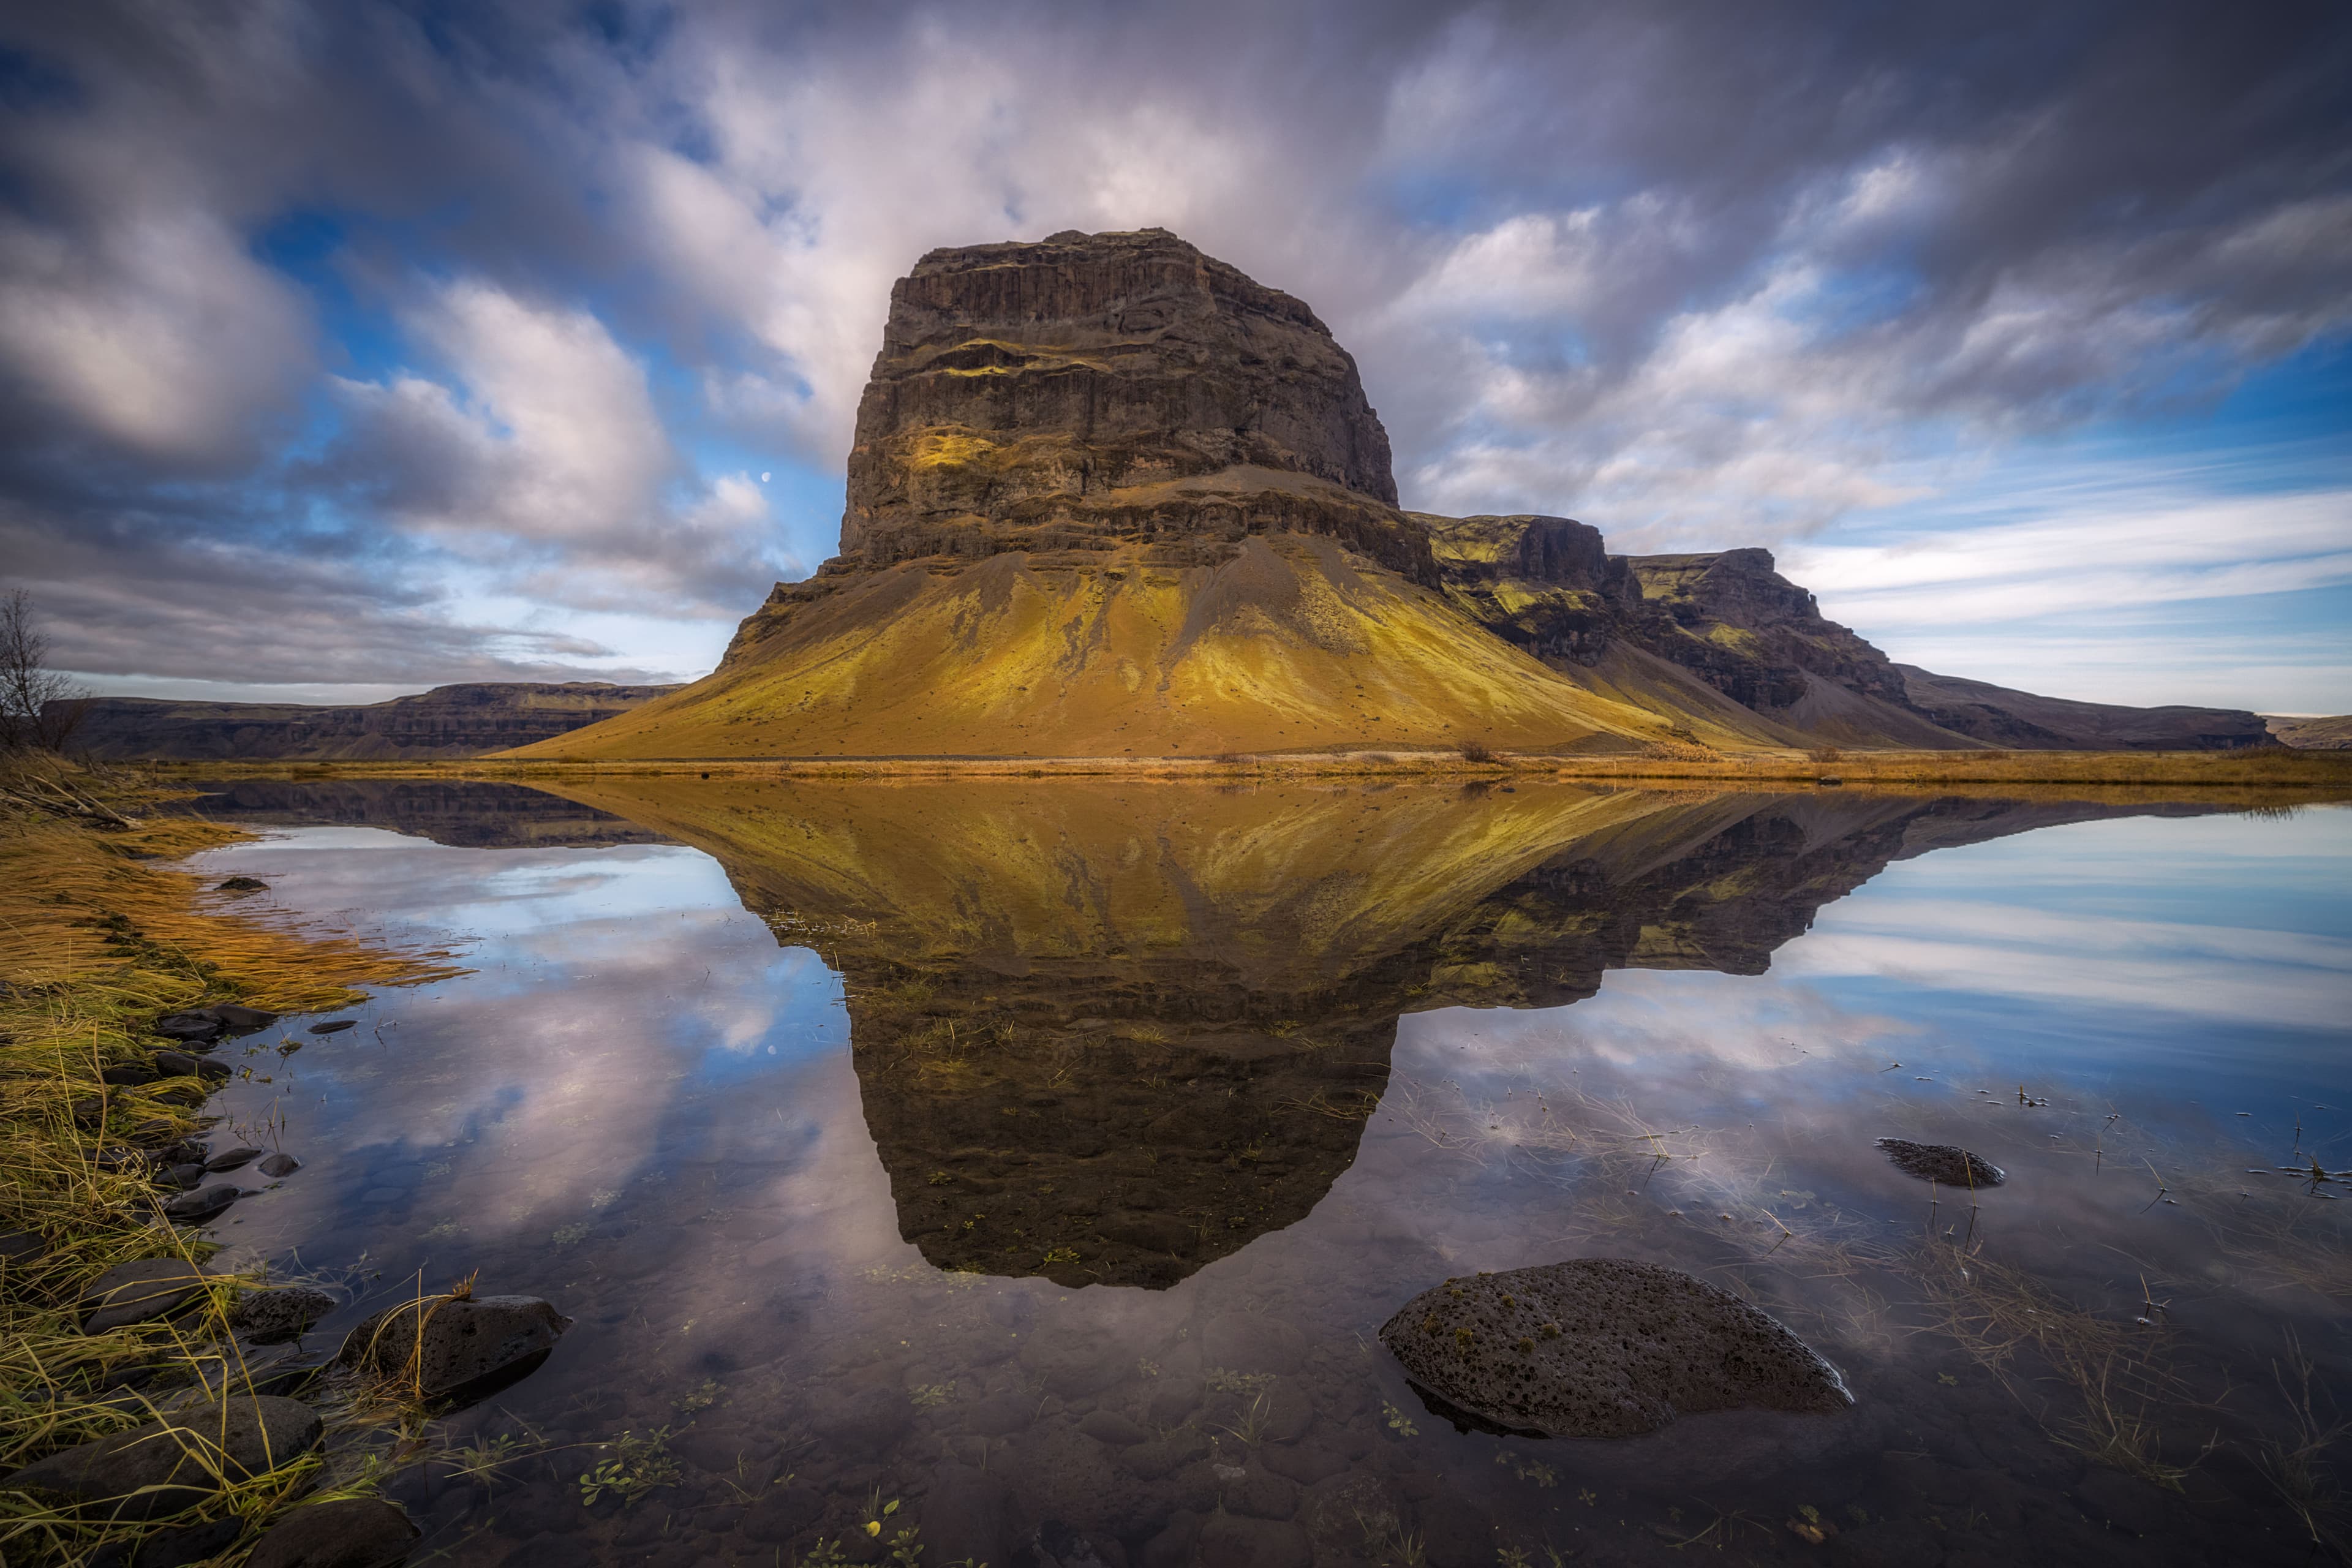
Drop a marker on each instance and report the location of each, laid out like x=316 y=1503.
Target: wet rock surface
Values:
x=203 y=1204
x=274 y=1316
x=1947 y=1164
x=353 y=1532
x=452 y=1349
x=138 y=1292
x=166 y=1466
x=1600 y=1347
x=280 y=1165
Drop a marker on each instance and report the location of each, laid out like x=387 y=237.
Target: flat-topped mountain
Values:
x=446 y=722
x=1109 y=496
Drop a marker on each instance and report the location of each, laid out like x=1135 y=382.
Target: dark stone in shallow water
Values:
x=1947 y=1162
x=195 y=1208
x=279 y=1165
x=463 y=1348
x=271 y=1317
x=233 y=1159
x=334 y=1026
x=355 y=1533
x=198 y=1025
x=242 y=885
x=1600 y=1347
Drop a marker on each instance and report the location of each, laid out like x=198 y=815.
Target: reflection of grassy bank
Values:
x=2264 y=768
x=98 y=935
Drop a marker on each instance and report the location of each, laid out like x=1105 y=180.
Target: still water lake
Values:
x=1028 y=1166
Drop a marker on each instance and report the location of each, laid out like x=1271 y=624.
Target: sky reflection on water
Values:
x=730 y=1162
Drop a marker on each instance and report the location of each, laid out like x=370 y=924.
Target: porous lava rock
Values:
x=1600 y=1347
x=1947 y=1162
x=274 y=1316
x=166 y=1466
x=453 y=1348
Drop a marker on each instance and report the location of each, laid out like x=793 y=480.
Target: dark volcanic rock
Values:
x=241 y=1438
x=268 y=1317
x=446 y=722
x=462 y=1346
x=1600 y=1347
x=1019 y=382
x=243 y=885
x=355 y=1533
x=135 y=1292
x=1946 y=1163
x=232 y=1158
x=281 y=1165
x=334 y=1027
x=196 y=1207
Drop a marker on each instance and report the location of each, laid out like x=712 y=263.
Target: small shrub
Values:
x=1825 y=754
x=1473 y=752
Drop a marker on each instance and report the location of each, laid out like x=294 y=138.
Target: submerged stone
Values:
x=279 y=1165
x=1946 y=1163
x=1600 y=1347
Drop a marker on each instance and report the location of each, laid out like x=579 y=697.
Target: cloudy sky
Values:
x=349 y=349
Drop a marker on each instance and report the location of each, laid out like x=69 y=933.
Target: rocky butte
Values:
x=1109 y=496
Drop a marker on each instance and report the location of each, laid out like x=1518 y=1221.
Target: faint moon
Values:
x=763 y=479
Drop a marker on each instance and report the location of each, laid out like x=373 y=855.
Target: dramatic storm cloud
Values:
x=367 y=346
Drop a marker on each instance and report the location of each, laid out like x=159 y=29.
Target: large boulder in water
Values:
x=454 y=1347
x=1600 y=1347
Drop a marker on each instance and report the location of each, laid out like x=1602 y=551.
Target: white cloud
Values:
x=545 y=459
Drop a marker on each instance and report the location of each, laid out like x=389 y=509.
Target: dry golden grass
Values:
x=95 y=941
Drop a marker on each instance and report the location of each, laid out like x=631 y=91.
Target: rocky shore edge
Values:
x=167 y=1413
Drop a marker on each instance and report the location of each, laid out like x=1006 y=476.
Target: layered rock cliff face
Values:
x=1109 y=386
x=1110 y=497
x=446 y=722
x=1730 y=621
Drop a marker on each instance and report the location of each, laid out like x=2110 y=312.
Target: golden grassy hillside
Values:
x=1294 y=643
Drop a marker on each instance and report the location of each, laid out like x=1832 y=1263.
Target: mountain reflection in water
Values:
x=1043 y=1154
x=1136 y=1026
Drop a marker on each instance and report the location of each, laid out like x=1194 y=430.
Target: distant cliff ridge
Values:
x=446 y=722
x=1644 y=628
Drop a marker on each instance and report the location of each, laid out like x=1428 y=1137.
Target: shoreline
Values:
x=2264 y=767
x=111 y=1318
